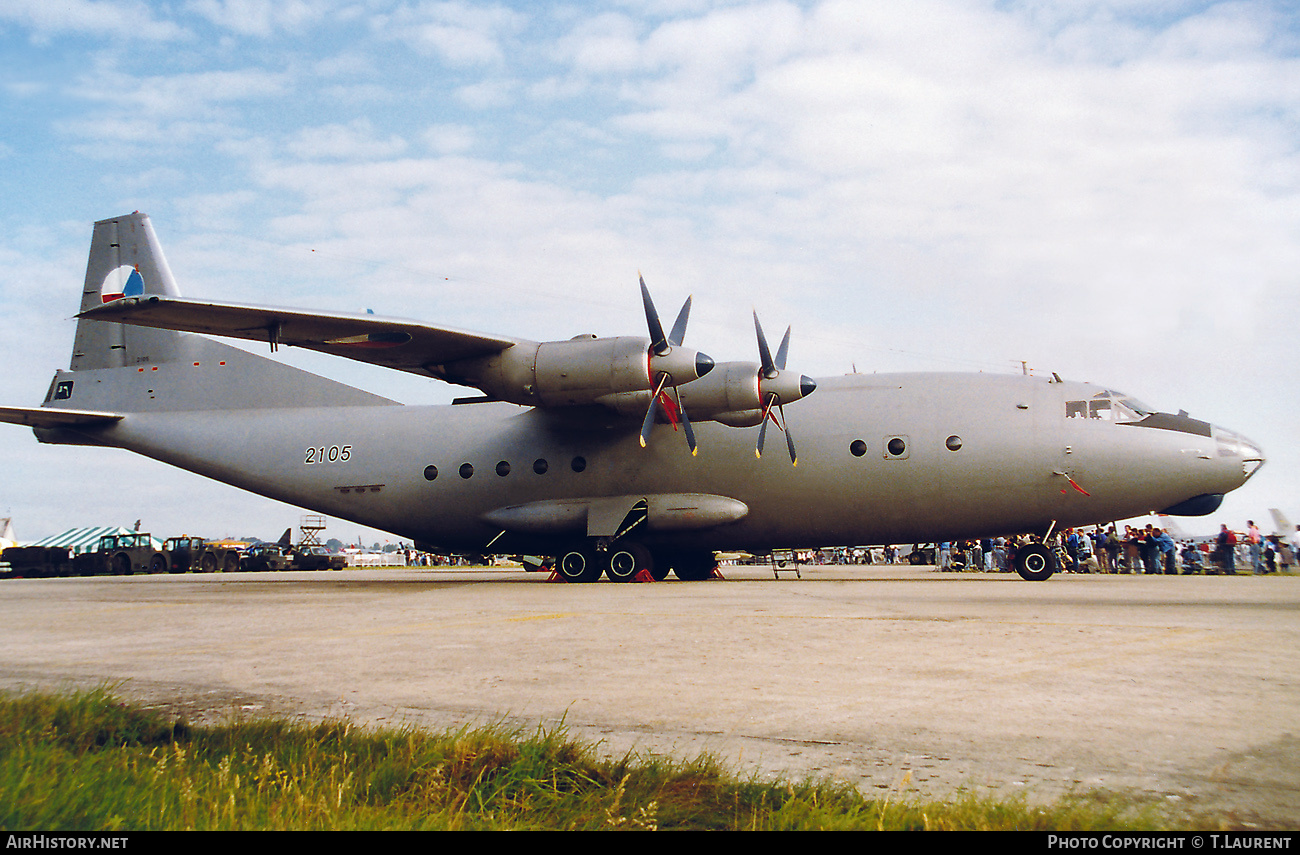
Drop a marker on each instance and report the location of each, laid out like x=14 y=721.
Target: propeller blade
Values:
x=783 y=350
x=764 y=353
x=678 y=335
x=649 y=422
x=658 y=342
x=789 y=438
x=762 y=430
x=686 y=423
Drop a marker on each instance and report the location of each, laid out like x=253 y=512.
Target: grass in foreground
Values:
x=88 y=762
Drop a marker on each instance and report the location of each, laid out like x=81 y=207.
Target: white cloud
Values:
x=353 y=141
x=122 y=19
x=261 y=18
x=487 y=94
x=460 y=34
x=179 y=95
x=605 y=43
x=450 y=139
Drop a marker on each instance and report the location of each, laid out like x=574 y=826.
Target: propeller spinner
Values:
x=669 y=365
x=778 y=387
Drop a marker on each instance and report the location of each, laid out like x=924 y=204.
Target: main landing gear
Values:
x=625 y=561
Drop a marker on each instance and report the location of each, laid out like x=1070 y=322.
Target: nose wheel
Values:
x=1035 y=562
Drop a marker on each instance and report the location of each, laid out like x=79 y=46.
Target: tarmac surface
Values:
x=899 y=680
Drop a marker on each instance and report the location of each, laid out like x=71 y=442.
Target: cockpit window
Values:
x=1140 y=409
x=1108 y=406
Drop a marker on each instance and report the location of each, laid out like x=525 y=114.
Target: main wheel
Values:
x=578 y=565
x=661 y=564
x=694 y=566
x=158 y=564
x=626 y=560
x=1035 y=562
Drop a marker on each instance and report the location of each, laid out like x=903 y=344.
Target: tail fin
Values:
x=125 y=260
x=1170 y=525
x=120 y=368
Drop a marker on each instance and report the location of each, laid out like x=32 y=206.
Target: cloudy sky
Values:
x=1107 y=189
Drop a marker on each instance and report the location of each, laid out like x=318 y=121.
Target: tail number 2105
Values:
x=328 y=454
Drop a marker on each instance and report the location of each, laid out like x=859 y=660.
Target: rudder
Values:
x=125 y=260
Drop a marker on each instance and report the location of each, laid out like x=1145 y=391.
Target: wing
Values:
x=49 y=417
x=391 y=342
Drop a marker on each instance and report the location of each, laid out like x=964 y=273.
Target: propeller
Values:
x=669 y=365
x=778 y=387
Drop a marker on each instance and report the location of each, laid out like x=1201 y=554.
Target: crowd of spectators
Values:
x=1146 y=550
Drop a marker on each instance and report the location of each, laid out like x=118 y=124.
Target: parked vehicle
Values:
x=121 y=555
x=186 y=554
x=33 y=562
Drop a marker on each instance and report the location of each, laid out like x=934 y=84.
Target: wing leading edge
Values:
x=391 y=342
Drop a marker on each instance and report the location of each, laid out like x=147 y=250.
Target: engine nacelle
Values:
x=582 y=370
x=729 y=394
x=734 y=393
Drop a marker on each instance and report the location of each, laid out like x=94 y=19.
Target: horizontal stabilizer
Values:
x=393 y=343
x=47 y=417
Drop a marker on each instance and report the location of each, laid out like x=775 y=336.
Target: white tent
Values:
x=81 y=540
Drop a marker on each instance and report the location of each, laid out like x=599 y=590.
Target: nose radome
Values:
x=1232 y=444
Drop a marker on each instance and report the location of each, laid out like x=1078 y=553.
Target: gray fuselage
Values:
x=883 y=459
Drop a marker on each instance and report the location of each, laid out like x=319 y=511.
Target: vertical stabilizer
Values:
x=121 y=368
x=125 y=261
x=1284 y=527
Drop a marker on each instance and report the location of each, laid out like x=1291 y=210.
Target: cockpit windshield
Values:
x=1108 y=405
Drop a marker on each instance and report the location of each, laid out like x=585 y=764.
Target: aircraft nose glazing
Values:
x=1235 y=445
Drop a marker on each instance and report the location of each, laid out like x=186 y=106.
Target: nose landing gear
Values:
x=1035 y=562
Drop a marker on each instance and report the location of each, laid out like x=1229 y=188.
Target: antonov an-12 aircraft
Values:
x=625 y=456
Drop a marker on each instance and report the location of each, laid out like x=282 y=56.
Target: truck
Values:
x=126 y=554
x=186 y=554
x=283 y=555
x=36 y=562
x=121 y=555
x=266 y=556
x=316 y=558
